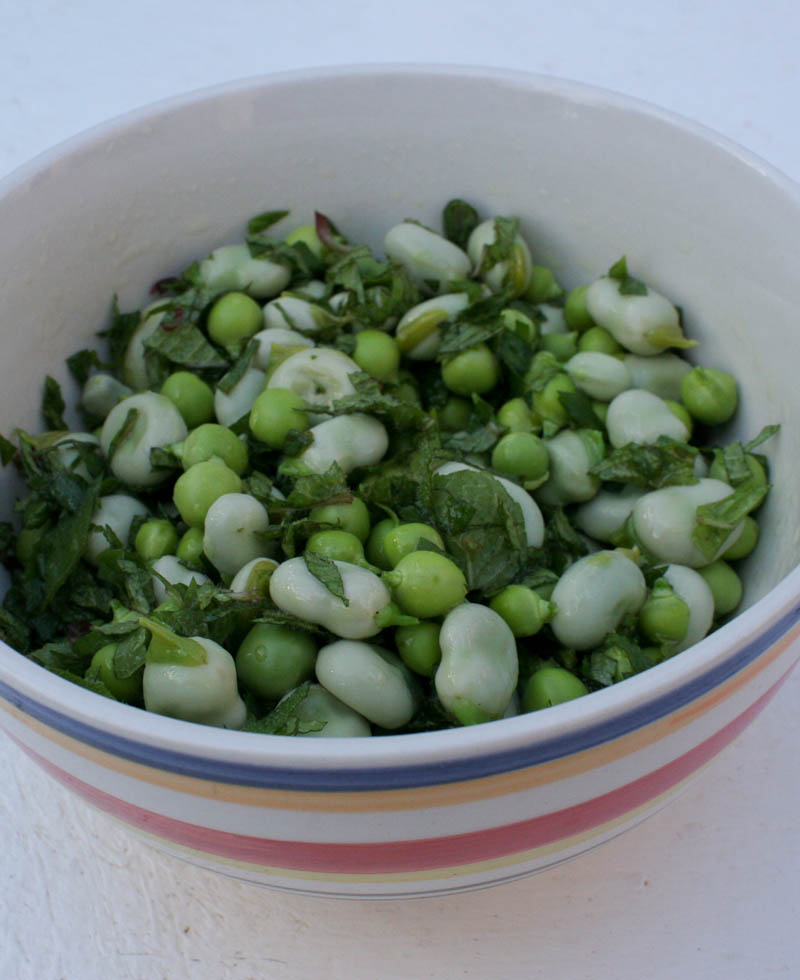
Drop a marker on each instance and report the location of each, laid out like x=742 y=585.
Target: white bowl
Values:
x=593 y=176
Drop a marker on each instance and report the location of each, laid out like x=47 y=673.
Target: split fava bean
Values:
x=348 y=440
x=318 y=375
x=296 y=591
x=593 y=596
x=479 y=669
x=369 y=679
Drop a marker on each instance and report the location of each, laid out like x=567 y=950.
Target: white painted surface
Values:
x=709 y=887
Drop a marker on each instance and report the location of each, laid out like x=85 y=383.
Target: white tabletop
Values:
x=708 y=888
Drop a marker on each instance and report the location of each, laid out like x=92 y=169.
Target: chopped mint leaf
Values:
x=324 y=570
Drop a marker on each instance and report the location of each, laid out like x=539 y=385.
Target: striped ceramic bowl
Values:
x=593 y=176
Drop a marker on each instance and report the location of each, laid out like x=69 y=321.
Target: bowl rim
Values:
x=471 y=751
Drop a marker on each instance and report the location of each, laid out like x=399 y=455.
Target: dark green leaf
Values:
x=325 y=571
x=664 y=463
x=715 y=521
x=766 y=433
x=13 y=630
x=500 y=250
x=459 y=220
x=123 y=432
x=579 y=409
x=120 y=330
x=296 y=441
x=482 y=528
x=282 y=719
x=234 y=375
x=53 y=405
x=381 y=401
x=185 y=344
x=628 y=286
x=81 y=363
x=312 y=489
x=7 y=450
x=61 y=549
x=260 y=222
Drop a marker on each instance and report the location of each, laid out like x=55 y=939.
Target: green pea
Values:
x=374 y=548
x=746 y=541
x=402 y=539
x=127 y=689
x=272 y=660
x=576 y=313
x=156 y=538
x=542 y=285
x=197 y=489
x=419 y=648
x=523 y=609
x=551 y=685
x=193 y=398
x=426 y=584
x=515 y=415
x=547 y=403
x=521 y=455
x=234 y=318
x=561 y=345
x=190 y=546
x=471 y=372
x=336 y=545
x=211 y=439
x=455 y=414
x=600 y=340
x=306 y=235
x=710 y=395
x=725 y=585
x=275 y=413
x=352 y=517
x=664 y=617
x=377 y=353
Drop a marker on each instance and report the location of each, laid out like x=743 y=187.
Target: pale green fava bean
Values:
x=234 y=318
x=297 y=313
x=426 y=255
x=155 y=538
x=642 y=417
x=377 y=353
x=710 y=395
x=319 y=375
x=515 y=415
x=572 y=454
x=471 y=372
x=297 y=592
x=690 y=586
x=593 y=596
x=101 y=393
x=321 y=715
x=643 y=324
x=193 y=679
x=663 y=521
x=374 y=548
x=135 y=427
x=209 y=440
x=230 y=406
x=337 y=545
x=233 y=532
x=254 y=577
x=418 y=332
x=514 y=272
x=599 y=375
x=664 y=617
x=232 y=267
x=745 y=543
x=197 y=489
x=426 y=584
x=575 y=312
x=348 y=440
x=479 y=669
x=116 y=511
x=523 y=609
x=660 y=374
x=272 y=660
x=172 y=569
x=369 y=679
x=278 y=340
x=604 y=515
x=128 y=689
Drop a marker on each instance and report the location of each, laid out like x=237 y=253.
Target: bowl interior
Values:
x=591 y=175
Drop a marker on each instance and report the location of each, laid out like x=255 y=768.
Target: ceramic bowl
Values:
x=593 y=176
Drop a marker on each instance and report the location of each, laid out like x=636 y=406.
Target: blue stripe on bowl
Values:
x=364 y=779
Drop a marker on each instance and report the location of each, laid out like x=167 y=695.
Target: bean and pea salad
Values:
x=325 y=492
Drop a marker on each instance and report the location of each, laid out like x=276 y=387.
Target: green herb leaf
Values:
x=324 y=570
x=715 y=521
x=14 y=631
x=482 y=528
x=500 y=250
x=53 y=404
x=260 y=222
x=381 y=401
x=7 y=450
x=579 y=409
x=234 y=375
x=282 y=719
x=120 y=330
x=81 y=363
x=666 y=462
x=185 y=344
x=312 y=489
x=459 y=220
x=766 y=433
x=65 y=544
x=628 y=286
